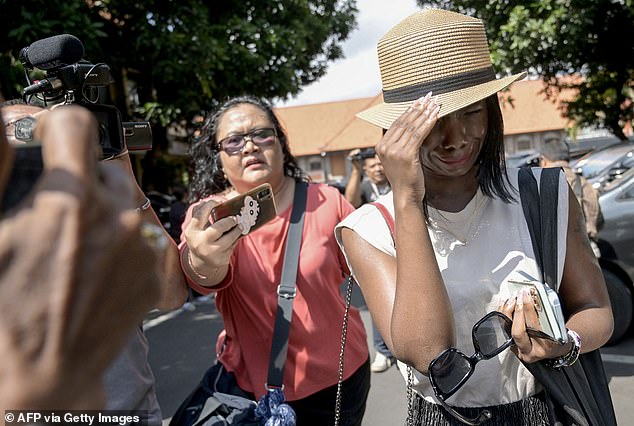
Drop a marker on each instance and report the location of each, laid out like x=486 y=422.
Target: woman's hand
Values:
x=529 y=348
x=210 y=245
x=400 y=146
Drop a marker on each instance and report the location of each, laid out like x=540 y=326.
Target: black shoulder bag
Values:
x=218 y=400
x=578 y=394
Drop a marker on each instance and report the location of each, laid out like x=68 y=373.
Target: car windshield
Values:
x=616 y=183
x=596 y=162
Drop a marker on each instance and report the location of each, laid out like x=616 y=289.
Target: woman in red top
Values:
x=242 y=146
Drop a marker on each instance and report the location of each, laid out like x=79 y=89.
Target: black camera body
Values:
x=85 y=84
x=69 y=80
x=364 y=154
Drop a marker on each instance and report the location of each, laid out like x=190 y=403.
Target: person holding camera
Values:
x=367 y=180
x=129 y=382
x=366 y=184
x=60 y=254
x=242 y=146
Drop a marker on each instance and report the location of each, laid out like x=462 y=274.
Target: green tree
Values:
x=172 y=59
x=592 y=40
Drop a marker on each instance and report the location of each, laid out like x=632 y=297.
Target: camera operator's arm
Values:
x=174 y=288
x=353 y=187
x=66 y=303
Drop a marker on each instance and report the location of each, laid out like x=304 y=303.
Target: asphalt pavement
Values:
x=182 y=348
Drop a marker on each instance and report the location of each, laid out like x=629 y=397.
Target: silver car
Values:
x=616 y=242
x=602 y=166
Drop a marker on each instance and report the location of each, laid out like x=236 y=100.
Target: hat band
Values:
x=438 y=87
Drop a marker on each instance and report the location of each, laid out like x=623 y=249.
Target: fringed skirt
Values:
x=529 y=412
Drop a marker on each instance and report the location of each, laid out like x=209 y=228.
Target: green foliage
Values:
x=590 y=39
x=172 y=59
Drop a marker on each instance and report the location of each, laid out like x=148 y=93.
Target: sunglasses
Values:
x=450 y=370
x=234 y=144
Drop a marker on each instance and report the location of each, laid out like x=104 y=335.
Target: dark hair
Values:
x=492 y=177
x=556 y=150
x=13 y=102
x=207 y=176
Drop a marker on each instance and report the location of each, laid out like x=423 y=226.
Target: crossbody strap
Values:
x=286 y=291
x=540 y=210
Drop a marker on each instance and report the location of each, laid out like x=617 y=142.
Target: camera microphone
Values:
x=52 y=52
x=46 y=85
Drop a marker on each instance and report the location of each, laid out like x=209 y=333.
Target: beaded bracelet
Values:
x=571 y=357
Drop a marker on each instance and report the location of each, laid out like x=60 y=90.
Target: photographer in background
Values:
x=60 y=252
x=129 y=381
x=557 y=154
x=358 y=192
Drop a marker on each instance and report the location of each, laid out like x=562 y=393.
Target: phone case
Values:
x=547 y=305
x=253 y=208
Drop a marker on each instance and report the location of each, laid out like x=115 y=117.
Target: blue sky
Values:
x=357 y=74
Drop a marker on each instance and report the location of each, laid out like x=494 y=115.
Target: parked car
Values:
x=616 y=242
x=530 y=159
x=604 y=165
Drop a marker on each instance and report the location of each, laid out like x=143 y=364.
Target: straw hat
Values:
x=439 y=51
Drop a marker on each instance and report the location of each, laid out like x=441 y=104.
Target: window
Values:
x=314 y=166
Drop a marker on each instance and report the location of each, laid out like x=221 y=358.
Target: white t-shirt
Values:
x=478 y=250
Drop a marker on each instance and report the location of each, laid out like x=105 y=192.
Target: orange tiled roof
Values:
x=332 y=126
x=531 y=111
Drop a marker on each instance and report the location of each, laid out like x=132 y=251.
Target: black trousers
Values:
x=318 y=409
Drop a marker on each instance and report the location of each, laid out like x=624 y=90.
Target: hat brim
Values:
x=384 y=114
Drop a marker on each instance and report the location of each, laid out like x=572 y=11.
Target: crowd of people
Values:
x=93 y=259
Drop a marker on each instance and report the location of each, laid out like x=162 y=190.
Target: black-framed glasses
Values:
x=450 y=370
x=234 y=144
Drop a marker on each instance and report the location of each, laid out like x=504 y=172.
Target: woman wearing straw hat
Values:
x=459 y=233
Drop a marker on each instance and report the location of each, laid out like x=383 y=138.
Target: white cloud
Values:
x=357 y=75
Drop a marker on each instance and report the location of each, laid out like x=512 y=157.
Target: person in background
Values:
x=557 y=154
x=56 y=347
x=243 y=145
x=129 y=382
x=367 y=180
x=178 y=210
x=366 y=184
x=459 y=233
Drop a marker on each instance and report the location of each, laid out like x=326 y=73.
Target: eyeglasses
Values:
x=450 y=370
x=234 y=144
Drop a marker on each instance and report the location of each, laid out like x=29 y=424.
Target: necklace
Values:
x=458 y=228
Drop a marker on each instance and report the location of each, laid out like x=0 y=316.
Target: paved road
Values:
x=182 y=347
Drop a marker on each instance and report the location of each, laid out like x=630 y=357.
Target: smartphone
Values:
x=253 y=208
x=548 y=307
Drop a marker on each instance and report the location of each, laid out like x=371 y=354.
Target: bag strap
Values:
x=389 y=220
x=540 y=210
x=286 y=291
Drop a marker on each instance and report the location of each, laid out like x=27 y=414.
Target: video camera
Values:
x=69 y=80
x=72 y=80
x=364 y=154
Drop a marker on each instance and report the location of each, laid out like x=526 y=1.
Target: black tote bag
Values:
x=578 y=394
